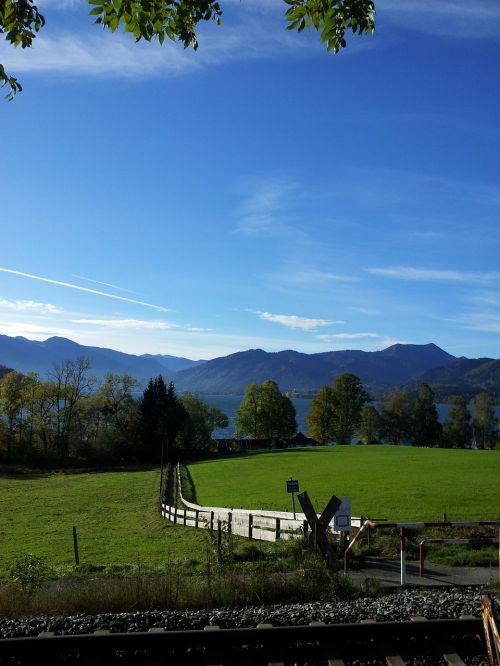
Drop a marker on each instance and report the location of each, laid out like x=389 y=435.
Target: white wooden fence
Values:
x=241 y=522
x=256 y=524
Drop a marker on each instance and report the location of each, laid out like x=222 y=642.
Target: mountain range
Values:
x=397 y=366
x=33 y=356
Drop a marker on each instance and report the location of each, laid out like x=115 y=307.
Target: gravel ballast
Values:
x=397 y=606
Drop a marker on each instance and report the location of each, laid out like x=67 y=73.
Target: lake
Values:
x=230 y=403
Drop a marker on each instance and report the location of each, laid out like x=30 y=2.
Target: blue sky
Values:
x=258 y=192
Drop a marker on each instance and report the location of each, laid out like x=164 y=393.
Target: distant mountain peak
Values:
x=40 y=356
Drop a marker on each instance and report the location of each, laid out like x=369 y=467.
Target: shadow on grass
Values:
x=28 y=473
x=258 y=452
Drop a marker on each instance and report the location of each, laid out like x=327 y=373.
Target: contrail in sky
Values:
x=159 y=308
x=103 y=284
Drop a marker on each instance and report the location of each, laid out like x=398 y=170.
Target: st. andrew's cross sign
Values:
x=319 y=525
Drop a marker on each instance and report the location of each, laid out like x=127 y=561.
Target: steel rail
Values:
x=267 y=637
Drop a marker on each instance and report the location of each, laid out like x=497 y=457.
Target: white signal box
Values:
x=342 y=517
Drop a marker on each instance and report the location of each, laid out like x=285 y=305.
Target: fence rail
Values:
x=258 y=524
x=251 y=526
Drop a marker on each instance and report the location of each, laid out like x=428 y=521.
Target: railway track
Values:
x=467 y=640
x=420 y=641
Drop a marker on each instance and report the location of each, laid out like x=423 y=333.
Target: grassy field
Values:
x=397 y=483
x=119 y=527
x=114 y=512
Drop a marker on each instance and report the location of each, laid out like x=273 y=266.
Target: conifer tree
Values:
x=161 y=416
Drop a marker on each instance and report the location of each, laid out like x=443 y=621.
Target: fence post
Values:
x=219 y=533
x=422 y=556
x=229 y=522
x=196 y=517
x=175 y=513
x=278 y=529
x=75 y=545
x=306 y=526
x=185 y=516
x=211 y=521
x=250 y=526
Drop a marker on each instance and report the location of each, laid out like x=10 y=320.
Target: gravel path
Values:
x=400 y=605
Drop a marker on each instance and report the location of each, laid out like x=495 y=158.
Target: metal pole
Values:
x=293 y=505
x=422 y=555
x=403 y=556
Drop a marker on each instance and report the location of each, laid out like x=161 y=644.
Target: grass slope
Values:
x=114 y=512
x=397 y=483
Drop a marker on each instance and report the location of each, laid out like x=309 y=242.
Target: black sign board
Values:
x=292 y=486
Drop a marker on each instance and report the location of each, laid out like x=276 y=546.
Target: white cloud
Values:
x=99 y=55
x=332 y=337
x=264 y=210
x=365 y=311
x=34 y=331
x=488 y=298
x=434 y=275
x=452 y=18
x=313 y=276
x=294 y=321
x=59 y=283
x=27 y=306
x=426 y=235
x=126 y=323
x=389 y=342
x=57 y=4
x=95 y=52
x=484 y=322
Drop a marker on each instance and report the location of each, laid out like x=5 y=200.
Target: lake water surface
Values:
x=230 y=403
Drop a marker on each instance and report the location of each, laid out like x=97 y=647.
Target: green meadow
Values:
x=396 y=483
x=119 y=527
x=114 y=512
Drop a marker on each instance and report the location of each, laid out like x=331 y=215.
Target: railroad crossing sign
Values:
x=319 y=525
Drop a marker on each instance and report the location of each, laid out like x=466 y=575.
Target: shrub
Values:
x=248 y=551
x=28 y=572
